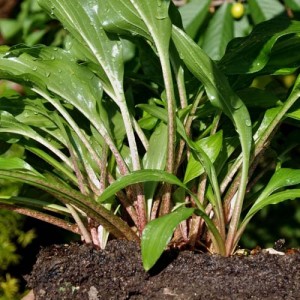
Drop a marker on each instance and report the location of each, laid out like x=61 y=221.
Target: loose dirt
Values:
x=83 y=272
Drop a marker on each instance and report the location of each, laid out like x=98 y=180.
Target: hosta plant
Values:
x=131 y=129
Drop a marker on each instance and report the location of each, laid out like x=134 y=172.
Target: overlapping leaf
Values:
x=82 y=19
x=262 y=10
x=252 y=53
x=219 y=32
x=193 y=15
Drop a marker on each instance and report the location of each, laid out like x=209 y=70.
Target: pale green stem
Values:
x=73 y=124
x=170 y=162
x=261 y=144
x=84 y=232
x=140 y=134
x=140 y=203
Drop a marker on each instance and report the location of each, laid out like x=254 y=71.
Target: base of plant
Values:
x=83 y=272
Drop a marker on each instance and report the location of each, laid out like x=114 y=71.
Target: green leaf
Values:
x=268 y=118
x=282 y=178
x=211 y=146
x=217 y=87
x=193 y=15
x=138 y=177
x=293 y=4
x=155 y=158
x=258 y=46
x=68 y=195
x=8 y=124
x=219 y=32
x=158 y=233
x=273 y=199
x=82 y=19
x=254 y=97
x=54 y=69
x=262 y=10
x=15 y=163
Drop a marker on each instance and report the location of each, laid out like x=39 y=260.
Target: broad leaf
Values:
x=211 y=146
x=216 y=85
x=193 y=15
x=252 y=53
x=219 y=32
x=158 y=233
x=82 y=19
x=254 y=97
x=15 y=163
x=262 y=10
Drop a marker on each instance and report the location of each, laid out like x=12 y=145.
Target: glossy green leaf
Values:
x=269 y=116
x=252 y=53
x=284 y=58
x=282 y=178
x=211 y=146
x=139 y=17
x=15 y=163
x=121 y=17
x=262 y=10
x=198 y=152
x=160 y=230
x=216 y=85
x=219 y=32
x=193 y=15
x=273 y=199
x=138 y=177
x=55 y=70
x=8 y=124
x=82 y=19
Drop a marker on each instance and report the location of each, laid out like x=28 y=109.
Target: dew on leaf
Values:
x=235 y=103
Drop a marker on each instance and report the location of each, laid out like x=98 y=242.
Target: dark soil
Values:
x=83 y=272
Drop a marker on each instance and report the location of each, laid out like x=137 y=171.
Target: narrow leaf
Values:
x=282 y=178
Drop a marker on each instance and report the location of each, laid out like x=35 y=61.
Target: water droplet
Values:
x=48 y=74
x=55 y=49
x=248 y=123
x=34 y=68
x=235 y=103
x=52 y=57
x=59 y=70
